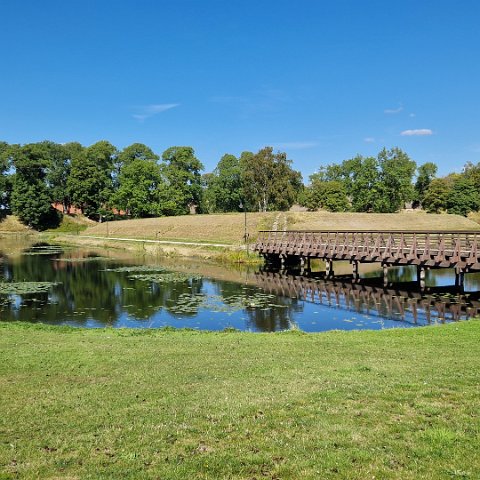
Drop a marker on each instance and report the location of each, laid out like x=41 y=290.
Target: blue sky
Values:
x=321 y=80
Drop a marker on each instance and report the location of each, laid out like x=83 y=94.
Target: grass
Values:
x=379 y=221
x=130 y=404
x=224 y=228
x=230 y=228
x=73 y=224
x=11 y=224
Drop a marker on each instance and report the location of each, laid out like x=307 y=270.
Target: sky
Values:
x=320 y=80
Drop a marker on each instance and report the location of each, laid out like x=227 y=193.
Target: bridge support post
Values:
x=421 y=276
x=356 y=274
x=329 y=268
x=459 y=278
x=385 y=275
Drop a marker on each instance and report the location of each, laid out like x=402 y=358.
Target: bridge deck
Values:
x=459 y=249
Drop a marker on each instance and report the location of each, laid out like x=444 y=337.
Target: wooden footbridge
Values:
x=425 y=249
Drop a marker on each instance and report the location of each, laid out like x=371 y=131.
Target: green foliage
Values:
x=181 y=171
x=223 y=187
x=58 y=171
x=463 y=197
x=140 y=181
x=330 y=195
x=425 y=174
x=31 y=199
x=90 y=183
x=436 y=195
x=5 y=183
x=396 y=174
x=269 y=182
x=375 y=184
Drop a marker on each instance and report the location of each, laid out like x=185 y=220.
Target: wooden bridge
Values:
x=425 y=249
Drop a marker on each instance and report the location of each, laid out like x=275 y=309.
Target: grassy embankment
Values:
x=98 y=404
x=228 y=229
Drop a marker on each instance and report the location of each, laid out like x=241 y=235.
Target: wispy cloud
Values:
x=147 y=111
x=412 y=115
x=420 y=132
x=393 y=111
x=369 y=139
x=294 y=145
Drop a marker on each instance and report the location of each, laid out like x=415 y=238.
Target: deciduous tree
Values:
x=268 y=180
x=181 y=170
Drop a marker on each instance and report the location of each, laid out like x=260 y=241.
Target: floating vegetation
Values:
x=137 y=268
x=50 y=251
x=191 y=304
x=20 y=288
x=80 y=259
x=165 y=277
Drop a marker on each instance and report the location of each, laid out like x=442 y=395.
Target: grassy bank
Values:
x=400 y=404
x=230 y=228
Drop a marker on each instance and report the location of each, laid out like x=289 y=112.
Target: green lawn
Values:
x=125 y=404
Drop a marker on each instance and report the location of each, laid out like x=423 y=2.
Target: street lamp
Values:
x=245 y=235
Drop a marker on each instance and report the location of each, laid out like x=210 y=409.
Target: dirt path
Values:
x=165 y=242
x=280 y=221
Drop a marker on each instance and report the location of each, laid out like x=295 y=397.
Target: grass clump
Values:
x=399 y=404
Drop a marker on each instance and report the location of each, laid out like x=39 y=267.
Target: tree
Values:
x=138 y=193
x=375 y=184
x=181 y=170
x=58 y=171
x=463 y=197
x=136 y=151
x=396 y=174
x=223 y=188
x=269 y=182
x=5 y=183
x=31 y=200
x=425 y=174
x=330 y=195
x=436 y=195
x=90 y=183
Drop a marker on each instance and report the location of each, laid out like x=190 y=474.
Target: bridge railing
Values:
x=460 y=248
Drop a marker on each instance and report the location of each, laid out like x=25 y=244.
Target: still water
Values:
x=88 y=288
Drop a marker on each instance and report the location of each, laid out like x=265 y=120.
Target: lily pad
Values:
x=137 y=268
x=164 y=277
x=19 y=288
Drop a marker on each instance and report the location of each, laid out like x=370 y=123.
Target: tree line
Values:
x=390 y=181
x=102 y=181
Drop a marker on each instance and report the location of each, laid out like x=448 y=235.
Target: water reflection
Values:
x=405 y=303
x=86 y=292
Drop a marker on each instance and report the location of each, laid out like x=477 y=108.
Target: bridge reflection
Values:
x=404 y=302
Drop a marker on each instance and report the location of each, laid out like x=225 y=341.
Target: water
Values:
x=97 y=289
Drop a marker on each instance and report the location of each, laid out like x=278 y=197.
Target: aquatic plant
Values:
x=19 y=288
x=165 y=277
x=188 y=303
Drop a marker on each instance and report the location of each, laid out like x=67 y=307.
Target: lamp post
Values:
x=245 y=235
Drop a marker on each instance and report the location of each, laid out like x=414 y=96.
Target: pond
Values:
x=62 y=285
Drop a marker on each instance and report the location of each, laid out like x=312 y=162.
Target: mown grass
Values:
x=230 y=228
x=226 y=228
x=417 y=220
x=109 y=404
